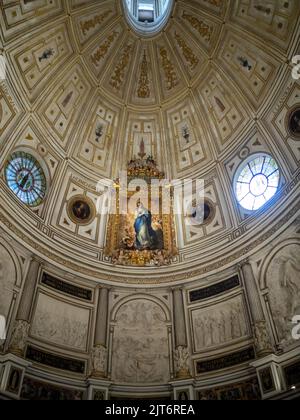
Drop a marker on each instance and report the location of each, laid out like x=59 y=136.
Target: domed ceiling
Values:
x=83 y=89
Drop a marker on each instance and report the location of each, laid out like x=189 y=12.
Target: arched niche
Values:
x=140 y=341
x=280 y=281
x=10 y=278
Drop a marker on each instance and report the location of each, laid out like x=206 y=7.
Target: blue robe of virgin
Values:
x=145 y=235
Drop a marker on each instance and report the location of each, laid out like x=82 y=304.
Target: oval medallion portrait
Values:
x=294 y=123
x=81 y=210
x=203 y=214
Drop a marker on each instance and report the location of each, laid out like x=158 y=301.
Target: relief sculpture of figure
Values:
x=235 y=325
x=290 y=280
x=222 y=329
x=200 y=332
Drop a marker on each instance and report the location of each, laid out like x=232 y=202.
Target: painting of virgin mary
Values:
x=146 y=237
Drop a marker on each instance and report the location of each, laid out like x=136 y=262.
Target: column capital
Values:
x=104 y=287
x=37 y=259
x=262 y=339
x=177 y=289
x=99 y=361
x=19 y=337
x=244 y=263
x=182 y=362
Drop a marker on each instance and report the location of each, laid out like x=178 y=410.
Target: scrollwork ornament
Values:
x=182 y=362
x=262 y=339
x=99 y=361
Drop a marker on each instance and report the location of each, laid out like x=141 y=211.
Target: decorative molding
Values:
x=104 y=276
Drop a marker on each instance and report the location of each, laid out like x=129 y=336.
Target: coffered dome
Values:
x=147 y=17
x=99 y=99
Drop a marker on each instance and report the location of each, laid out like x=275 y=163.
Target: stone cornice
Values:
x=175 y=274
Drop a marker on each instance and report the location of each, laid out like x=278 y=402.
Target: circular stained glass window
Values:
x=257 y=182
x=26 y=178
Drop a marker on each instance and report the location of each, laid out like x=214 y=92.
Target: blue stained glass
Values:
x=258 y=182
x=26 y=178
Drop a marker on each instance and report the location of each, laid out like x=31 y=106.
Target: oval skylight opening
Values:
x=148 y=17
x=257 y=181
